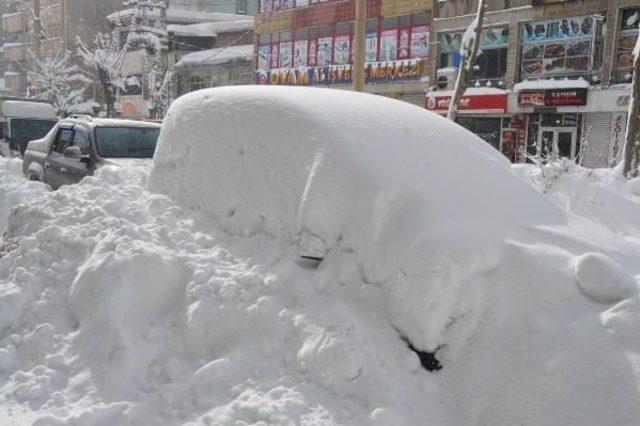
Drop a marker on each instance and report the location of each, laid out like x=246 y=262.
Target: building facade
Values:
x=214 y=68
x=551 y=73
x=61 y=23
x=204 y=39
x=310 y=42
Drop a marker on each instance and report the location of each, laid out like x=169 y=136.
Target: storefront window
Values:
x=491 y=65
x=626 y=43
x=286 y=49
x=274 y=56
x=300 y=48
x=560 y=47
x=325 y=46
x=549 y=130
x=264 y=51
x=342 y=43
x=389 y=39
x=371 y=54
x=419 y=36
x=488 y=129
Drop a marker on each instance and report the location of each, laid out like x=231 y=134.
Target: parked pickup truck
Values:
x=78 y=145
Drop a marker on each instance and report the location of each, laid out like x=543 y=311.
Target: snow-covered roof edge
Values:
x=542 y=84
x=217 y=56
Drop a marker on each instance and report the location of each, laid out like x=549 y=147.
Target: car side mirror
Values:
x=72 y=152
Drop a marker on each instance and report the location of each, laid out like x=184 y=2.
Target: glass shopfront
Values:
x=496 y=131
x=549 y=130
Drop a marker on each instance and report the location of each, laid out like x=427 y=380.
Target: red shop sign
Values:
x=554 y=98
x=479 y=104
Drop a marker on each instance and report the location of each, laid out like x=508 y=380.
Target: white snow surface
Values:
x=212 y=29
x=27 y=109
x=121 y=305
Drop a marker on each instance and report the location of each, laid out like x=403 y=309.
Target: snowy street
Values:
x=174 y=292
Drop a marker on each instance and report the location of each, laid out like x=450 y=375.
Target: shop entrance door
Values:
x=564 y=137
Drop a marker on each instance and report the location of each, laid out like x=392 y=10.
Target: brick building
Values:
x=550 y=72
x=308 y=42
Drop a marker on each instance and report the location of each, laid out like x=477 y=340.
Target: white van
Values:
x=23 y=120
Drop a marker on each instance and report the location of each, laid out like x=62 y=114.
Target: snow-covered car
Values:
x=77 y=146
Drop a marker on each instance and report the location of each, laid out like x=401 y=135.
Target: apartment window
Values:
x=626 y=43
x=197 y=82
x=241 y=7
x=242 y=78
x=491 y=65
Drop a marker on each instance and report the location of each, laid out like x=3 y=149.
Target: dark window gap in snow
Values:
x=427 y=359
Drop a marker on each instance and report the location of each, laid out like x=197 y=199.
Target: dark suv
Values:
x=78 y=145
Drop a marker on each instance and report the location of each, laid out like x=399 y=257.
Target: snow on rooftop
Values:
x=551 y=83
x=217 y=56
x=178 y=16
x=27 y=109
x=470 y=91
x=13 y=44
x=211 y=29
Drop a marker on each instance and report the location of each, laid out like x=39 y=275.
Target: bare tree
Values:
x=468 y=52
x=105 y=62
x=59 y=81
x=631 y=158
x=155 y=41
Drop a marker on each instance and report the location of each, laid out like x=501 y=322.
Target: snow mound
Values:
x=634 y=185
x=14 y=190
x=120 y=306
x=602 y=279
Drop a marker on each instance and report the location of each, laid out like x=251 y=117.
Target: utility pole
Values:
x=358 y=72
x=631 y=156
x=64 y=9
x=37 y=28
x=469 y=53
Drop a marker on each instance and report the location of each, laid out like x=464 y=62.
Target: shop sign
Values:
x=616 y=137
x=377 y=72
x=553 y=97
x=623 y=100
x=481 y=104
x=570 y=28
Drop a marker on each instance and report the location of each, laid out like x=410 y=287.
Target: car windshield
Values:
x=126 y=142
x=28 y=129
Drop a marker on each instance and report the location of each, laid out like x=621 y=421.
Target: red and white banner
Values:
x=469 y=104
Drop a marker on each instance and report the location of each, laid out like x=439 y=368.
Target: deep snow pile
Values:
x=14 y=189
x=125 y=308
